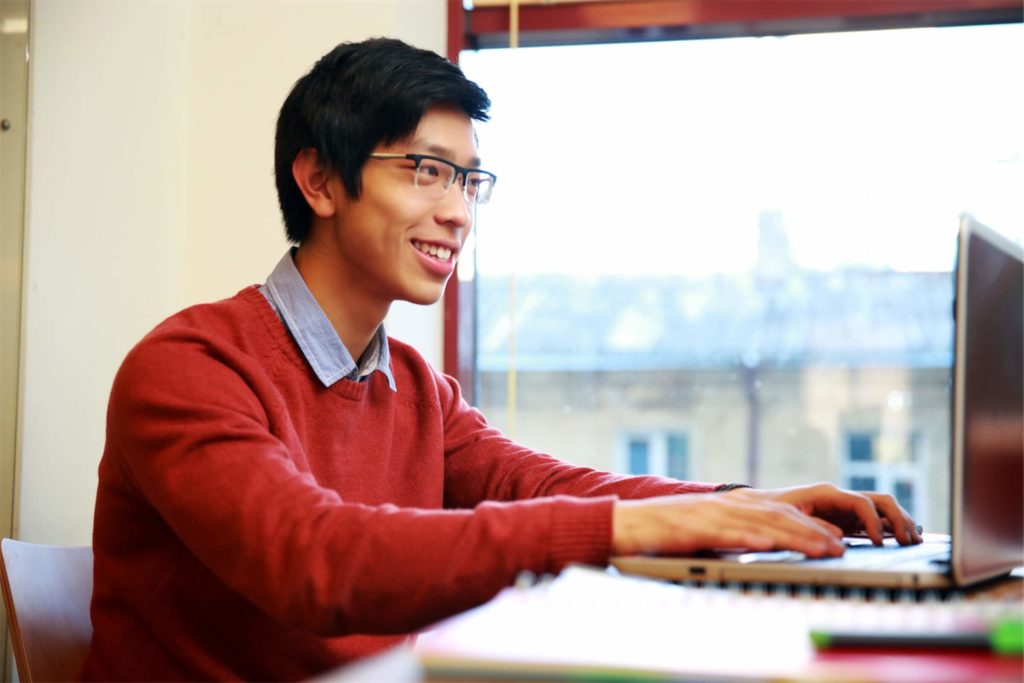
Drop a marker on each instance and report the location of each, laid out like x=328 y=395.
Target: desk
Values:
x=592 y=625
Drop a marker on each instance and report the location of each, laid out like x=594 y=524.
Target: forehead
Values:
x=446 y=131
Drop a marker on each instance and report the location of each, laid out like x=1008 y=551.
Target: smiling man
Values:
x=285 y=488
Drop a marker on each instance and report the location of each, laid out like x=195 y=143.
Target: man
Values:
x=284 y=488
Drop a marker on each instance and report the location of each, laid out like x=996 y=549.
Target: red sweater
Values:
x=252 y=524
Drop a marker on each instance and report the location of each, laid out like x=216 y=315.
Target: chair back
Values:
x=47 y=591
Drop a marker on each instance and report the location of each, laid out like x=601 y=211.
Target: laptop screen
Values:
x=988 y=406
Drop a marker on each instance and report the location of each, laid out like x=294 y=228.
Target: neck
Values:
x=354 y=315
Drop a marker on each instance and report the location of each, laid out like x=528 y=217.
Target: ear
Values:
x=313 y=179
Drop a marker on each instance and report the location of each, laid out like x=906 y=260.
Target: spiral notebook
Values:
x=987 y=459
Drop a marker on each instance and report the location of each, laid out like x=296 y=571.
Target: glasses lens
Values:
x=433 y=172
x=478 y=187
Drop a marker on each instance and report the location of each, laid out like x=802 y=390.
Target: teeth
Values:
x=440 y=253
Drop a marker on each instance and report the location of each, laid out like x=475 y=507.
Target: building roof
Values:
x=842 y=318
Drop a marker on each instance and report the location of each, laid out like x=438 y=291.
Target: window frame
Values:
x=568 y=22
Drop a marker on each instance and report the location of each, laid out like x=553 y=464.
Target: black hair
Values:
x=356 y=97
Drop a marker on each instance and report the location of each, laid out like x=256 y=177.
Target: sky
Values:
x=658 y=158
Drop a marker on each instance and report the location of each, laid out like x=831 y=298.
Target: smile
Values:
x=439 y=252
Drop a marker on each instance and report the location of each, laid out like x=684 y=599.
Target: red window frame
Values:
x=564 y=22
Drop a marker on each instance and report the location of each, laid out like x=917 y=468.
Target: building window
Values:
x=676 y=456
x=904 y=492
x=664 y=453
x=861 y=447
x=889 y=464
x=863 y=483
x=639 y=456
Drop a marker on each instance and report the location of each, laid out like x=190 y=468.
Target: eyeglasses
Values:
x=437 y=175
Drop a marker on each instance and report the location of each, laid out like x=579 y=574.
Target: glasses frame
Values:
x=459 y=171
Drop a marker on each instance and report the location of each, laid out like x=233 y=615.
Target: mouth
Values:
x=436 y=251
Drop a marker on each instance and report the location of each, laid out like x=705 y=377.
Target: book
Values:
x=592 y=624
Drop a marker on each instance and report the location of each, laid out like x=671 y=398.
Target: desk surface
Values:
x=592 y=625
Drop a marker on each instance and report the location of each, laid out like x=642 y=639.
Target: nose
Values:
x=453 y=209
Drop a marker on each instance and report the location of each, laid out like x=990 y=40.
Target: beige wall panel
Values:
x=150 y=187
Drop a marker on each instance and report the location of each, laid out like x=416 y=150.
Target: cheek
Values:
x=384 y=218
x=406 y=211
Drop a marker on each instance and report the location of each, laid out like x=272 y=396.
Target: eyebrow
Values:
x=444 y=152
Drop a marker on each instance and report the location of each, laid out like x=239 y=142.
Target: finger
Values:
x=824 y=524
x=781 y=522
x=829 y=527
x=809 y=541
x=894 y=519
x=793 y=530
x=833 y=536
x=903 y=527
x=864 y=508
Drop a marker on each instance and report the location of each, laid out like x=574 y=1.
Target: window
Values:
x=861 y=466
x=888 y=463
x=861 y=483
x=749 y=236
x=664 y=453
x=904 y=492
x=639 y=457
x=861 y=447
x=676 y=456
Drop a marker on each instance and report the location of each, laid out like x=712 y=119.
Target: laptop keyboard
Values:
x=864 y=555
x=860 y=554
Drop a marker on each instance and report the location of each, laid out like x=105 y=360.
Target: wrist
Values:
x=625 y=526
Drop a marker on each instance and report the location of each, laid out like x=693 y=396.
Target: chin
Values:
x=425 y=297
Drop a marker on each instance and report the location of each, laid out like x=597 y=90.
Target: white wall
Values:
x=150 y=187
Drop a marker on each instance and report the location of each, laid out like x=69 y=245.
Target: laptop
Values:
x=987 y=420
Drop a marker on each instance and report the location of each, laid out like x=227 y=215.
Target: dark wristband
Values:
x=731 y=487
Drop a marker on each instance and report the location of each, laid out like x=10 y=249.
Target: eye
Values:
x=432 y=169
x=477 y=184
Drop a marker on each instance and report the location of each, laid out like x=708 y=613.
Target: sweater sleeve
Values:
x=482 y=464
x=190 y=437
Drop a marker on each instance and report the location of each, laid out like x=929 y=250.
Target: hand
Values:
x=849 y=511
x=810 y=519
x=743 y=518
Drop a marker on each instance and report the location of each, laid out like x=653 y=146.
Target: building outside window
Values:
x=752 y=237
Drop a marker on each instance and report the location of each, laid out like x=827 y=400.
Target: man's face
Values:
x=399 y=241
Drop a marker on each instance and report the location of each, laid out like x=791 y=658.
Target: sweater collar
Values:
x=296 y=306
